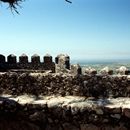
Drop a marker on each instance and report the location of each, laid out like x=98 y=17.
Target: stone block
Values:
x=56 y=60
x=11 y=59
x=76 y=69
x=106 y=71
x=68 y=126
x=2 y=59
x=63 y=61
x=90 y=71
x=123 y=70
x=89 y=127
x=23 y=59
x=67 y=62
x=35 y=59
x=126 y=112
x=47 y=58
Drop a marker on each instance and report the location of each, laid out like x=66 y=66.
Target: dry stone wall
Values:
x=64 y=113
x=58 y=96
x=64 y=84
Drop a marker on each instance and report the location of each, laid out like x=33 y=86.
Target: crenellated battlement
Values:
x=23 y=63
x=61 y=64
x=71 y=97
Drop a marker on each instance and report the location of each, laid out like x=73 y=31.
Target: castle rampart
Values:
x=24 y=63
x=65 y=99
x=61 y=65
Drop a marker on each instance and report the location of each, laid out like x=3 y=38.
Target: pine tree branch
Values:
x=14 y=3
x=68 y=1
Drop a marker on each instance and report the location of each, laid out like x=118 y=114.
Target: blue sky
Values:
x=86 y=29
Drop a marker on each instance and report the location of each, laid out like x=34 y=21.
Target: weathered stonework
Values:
x=35 y=59
x=2 y=63
x=76 y=69
x=24 y=63
x=48 y=63
x=23 y=59
x=11 y=59
x=106 y=71
x=2 y=59
x=63 y=113
x=64 y=84
x=54 y=96
x=62 y=63
x=90 y=71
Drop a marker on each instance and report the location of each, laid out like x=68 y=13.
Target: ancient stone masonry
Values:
x=76 y=69
x=64 y=84
x=24 y=63
x=49 y=95
x=61 y=65
x=63 y=113
x=63 y=61
x=3 y=64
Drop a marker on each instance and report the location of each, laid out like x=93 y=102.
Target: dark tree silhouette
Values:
x=14 y=3
x=68 y=1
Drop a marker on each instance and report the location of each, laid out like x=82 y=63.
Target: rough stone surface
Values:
x=90 y=71
x=24 y=65
x=2 y=58
x=23 y=59
x=34 y=98
x=35 y=59
x=64 y=84
x=62 y=113
x=89 y=127
x=76 y=69
x=123 y=70
x=11 y=59
x=106 y=71
x=62 y=63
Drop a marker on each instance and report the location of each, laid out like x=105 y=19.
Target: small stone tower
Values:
x=62 y=63
x=76 y=69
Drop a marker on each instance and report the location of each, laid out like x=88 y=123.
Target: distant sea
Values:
x=100 y=64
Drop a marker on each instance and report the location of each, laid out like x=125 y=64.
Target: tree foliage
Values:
x=13 y=4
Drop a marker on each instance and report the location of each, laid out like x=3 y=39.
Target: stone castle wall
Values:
x=61 y=65
x=64 y=84
x=64 y=113
x=64 y=99
x=23 y=63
